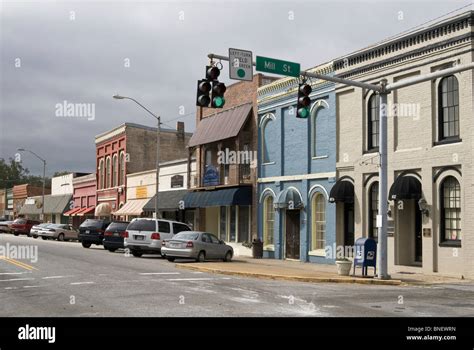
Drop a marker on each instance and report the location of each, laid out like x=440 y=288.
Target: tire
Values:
x=228 y=256
x=61 y=237
x=201 y=256
x=44 y=238
x=137 y=254
x=16 y=234
x=86 y=244
x=170 y=259
x=35 y=237
x=112 y=250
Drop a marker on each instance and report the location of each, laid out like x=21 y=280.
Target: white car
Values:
x=144 y=235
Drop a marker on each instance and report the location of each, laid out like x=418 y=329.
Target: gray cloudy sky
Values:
x=83 y=60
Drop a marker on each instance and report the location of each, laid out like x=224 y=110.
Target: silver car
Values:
x=196 y=245
x=5 y=226
x=61 y=232
x=35 y=229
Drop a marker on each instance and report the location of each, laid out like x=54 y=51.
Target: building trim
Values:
x=444 y=169
x=297 y=177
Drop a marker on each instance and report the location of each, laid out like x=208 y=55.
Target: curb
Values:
x=292 y=278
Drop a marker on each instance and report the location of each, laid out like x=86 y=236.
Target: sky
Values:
x=81 y=53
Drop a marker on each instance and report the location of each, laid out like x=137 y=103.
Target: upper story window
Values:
x=107 y=172
x=121 y=178
x=101 y=173
x=115 y=170
x=373 y=123
x=450 y=208
x=448 y=110
x=319 y=129
x=266 y=139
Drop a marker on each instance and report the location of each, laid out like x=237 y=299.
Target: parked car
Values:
x=144 y=236
x=197 y=245
x=114 y=235
x=91 y=232
x=5 y=226
x=61 y=232
x=35 y=229
x=23 y=226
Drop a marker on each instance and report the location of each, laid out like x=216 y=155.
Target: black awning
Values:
x=216 y=198
x=167 y=200
x=342 y=191
x=405 y=187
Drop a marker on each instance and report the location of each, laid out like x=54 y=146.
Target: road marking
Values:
x=197 y=272
x=18 y=263
x=78 y=283
x=197 y=279
x=11 y=288
x=31 y=286
x=159 y=273
x=13 y=273
x=17 y=279
x=53 y=277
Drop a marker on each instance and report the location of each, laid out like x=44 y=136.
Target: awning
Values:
x=132 y=207
x=221 y=126
x=289 y=198
x=85 y=211
x=342 y=191
x=167 y=200
x=53 y=204
x=72 y=212
x=103 y=209
x=405 y=187
x=224 y=197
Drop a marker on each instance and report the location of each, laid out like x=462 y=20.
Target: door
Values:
x=349 y=224
x=292 y=234
x=418 y=235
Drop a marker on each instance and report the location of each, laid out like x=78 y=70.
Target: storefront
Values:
x=54 y=208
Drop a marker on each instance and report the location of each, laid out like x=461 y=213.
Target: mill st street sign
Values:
x=272 y=65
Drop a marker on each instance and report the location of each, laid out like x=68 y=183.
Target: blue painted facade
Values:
x=297 y=154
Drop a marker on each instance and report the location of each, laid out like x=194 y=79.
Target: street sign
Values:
x=272 y=65
x=240 y=64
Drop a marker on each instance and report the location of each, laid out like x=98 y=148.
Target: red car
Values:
x=23 y=226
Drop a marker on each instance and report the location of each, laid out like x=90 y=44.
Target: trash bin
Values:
x=257 y=249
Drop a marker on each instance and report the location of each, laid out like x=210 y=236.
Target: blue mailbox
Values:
x=365 y=254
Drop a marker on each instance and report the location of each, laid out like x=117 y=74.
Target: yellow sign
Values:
x=141 y=192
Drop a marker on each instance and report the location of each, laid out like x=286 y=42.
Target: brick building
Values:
x=130 y=148
x=22 y=192
x=84 y=197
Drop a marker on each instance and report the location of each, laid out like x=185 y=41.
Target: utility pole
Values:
x=382 y=89
x=158 y=144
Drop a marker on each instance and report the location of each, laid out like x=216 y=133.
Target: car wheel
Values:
x=137 y=254
x=228 y=256
x=111 y=250
x=16 y=234
x=86 y=244
x=61 y=237
x=45 y=238
x=35 y=236
x=201 y=256
x=170 y=259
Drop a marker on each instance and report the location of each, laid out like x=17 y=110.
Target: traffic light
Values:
x=302 y=109
x=218 y=90
x=203 y=89
x=212 y=73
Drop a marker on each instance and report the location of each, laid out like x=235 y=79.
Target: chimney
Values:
x=180 y=129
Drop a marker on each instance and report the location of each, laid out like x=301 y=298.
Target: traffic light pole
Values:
x=382 y=89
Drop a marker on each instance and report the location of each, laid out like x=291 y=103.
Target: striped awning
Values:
x=72 y=212
x=132 y=207
x=85 y=211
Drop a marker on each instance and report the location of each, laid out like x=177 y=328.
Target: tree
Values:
x=13 y=173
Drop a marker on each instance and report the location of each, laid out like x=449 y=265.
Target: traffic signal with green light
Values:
x=218 y=90
x=302 y=109
x=203 y=90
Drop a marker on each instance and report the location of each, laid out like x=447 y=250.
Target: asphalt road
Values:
x=68 y=280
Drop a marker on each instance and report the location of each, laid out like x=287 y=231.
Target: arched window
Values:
x=318 y=229
x=266 y=137
x=107 y=172
x=101 y=173
x=122 y=169
x=373 y=209
x=115 y=170
x=268 y=221
x=448 y=110
x=373 y=123
x=319 y=132
x=450 y=209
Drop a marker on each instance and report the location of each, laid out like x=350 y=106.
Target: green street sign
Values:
x=272 y=65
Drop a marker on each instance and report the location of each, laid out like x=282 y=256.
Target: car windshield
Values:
x=19 y=221
x=117 y=226
x=142 y=225
x=92 y=223
x=190 y=236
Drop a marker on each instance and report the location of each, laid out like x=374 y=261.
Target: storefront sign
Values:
x=141 y=192
x=211 y=176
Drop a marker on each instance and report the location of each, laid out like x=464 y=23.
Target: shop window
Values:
x=318 y=215
x=244 y=224
x=373 y=210
x=268 y=221
x=450 y=210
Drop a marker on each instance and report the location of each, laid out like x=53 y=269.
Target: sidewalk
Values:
x=309 y=272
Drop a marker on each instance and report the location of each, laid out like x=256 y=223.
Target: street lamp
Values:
x=44 y=176
x=158 y=119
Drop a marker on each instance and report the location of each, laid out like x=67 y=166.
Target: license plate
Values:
x=139 y=238
x=175 y=245
x=88 y=231
x=116 y=234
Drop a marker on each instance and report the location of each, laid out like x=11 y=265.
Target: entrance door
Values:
x=418 y=235
x=292 y=234
x=348 y=224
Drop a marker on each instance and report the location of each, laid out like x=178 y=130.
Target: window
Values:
x=268 y=221
x=318 y=240
x=450 y=207
x=266 y=137
x=115 y=170
x=319 y=132
x=245 y=161
x=233 y=216
x=214 y=239
x=101 y=174
x=164 y=227
x=205 y=238
x=223 y=224
x=373 y=209
x=373 y=123
x=244 y=220
x=448 y=110
x=107 y=172
x=180 y=228
x=122 y=169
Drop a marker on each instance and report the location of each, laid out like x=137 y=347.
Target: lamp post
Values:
x=158 y=119
x=44 y=176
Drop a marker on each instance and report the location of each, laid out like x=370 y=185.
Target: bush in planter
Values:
x=343 y=266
